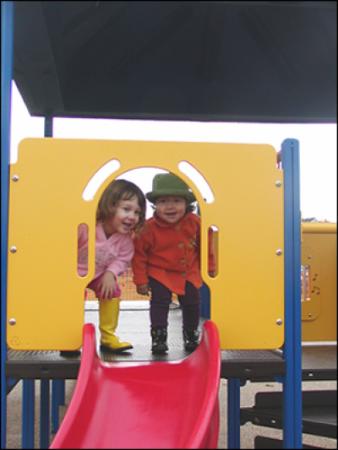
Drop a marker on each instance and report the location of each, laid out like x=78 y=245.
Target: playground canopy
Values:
x=210 y=61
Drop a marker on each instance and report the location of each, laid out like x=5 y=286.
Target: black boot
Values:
x=159 y=341
x=191 y=339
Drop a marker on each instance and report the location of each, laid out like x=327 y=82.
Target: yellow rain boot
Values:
x=108 y=319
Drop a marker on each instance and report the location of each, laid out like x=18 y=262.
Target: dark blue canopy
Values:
x=210 y=61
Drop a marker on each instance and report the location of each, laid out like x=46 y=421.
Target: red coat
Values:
x=170 y=253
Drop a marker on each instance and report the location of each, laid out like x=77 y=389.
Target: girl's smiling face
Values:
x=171 y=209
x=126 y=217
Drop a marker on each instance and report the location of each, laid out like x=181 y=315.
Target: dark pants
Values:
x=161 y=299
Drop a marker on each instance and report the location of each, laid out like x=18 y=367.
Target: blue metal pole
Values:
x=234 y=436
x=7 y=24
x=292 y=386
x=62 y=392
x=48 y=126
x=44 y=414
x=205 y=301
x=57 y=400
x=28 y=413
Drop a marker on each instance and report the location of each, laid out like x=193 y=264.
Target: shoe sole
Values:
x=105 y=349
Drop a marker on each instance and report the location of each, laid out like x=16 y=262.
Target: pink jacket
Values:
x=113 y=254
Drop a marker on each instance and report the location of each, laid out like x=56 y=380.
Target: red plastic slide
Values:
x=158 y=404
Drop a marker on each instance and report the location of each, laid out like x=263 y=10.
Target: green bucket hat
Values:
x=165 y=184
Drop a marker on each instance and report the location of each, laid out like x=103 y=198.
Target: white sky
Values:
x=318 y=146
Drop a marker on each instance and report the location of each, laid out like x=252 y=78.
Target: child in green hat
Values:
x=167 y=260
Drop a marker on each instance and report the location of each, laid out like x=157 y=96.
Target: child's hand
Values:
x=142 y=289
x=108 y=284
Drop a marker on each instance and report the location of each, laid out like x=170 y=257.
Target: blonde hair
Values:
x=116 y=191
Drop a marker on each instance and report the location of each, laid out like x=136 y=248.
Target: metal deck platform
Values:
x=134 y=325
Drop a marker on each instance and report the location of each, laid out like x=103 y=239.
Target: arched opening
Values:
x=143 y=178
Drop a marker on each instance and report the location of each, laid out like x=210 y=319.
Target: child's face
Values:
x=171 y=209
x=126 y=217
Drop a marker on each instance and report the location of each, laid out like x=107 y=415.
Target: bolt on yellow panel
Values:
x=45 y=293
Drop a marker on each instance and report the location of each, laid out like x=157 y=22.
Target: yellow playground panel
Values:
x=319 y=281
x=47 y=185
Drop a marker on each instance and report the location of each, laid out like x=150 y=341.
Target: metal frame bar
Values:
x=58 y=398
x=44 y=413
x=28 y=413
x=205 y=301
x=234 y=426
x=7 y=24
x=292 y=350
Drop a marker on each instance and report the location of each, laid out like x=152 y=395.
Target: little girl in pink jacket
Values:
x=121 y=210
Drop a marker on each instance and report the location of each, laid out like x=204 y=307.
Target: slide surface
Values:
x=161 y=404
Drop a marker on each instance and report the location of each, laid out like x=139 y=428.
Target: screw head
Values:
x=15 y=177
x=278 y=183
x=13 y=249
x=279 y=322
x=12 y=321
x=279 y=251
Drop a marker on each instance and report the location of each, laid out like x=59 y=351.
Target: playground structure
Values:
x=273 y=258
x=40 y=161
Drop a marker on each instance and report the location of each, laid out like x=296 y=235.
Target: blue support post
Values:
x=7 y=23
x=62 y=388
x=44 y=414
x=292 y=387
x=234 y=426
x=28 y=413
x=205 y=301
x=58 y=398
x=48 y=131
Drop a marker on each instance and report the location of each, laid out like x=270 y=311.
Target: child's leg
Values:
x=159 y=309
x=159 y=304
x=109 y=311
x=190 y=303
